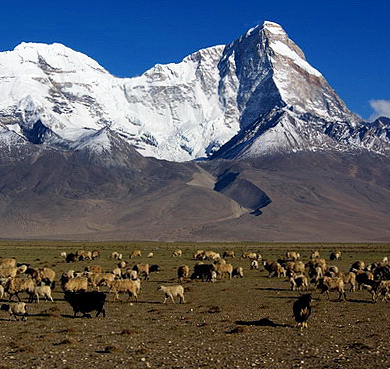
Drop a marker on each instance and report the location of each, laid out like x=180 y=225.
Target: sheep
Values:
x=122 y=264
x=78 y=284
x=274 y=268
x=327 y=284
x=116 y=255
x=142 y=269
x=154 y=268
x=22 y=269
x=125 y=286
x=331 y=271
x=93 y=269
x=130 y=274
x=183 y=272
x=7 y=262
x=63 y=255
x=357 y=265
x=250 y=255
x=86 y=302
x=228 y=254
x=14 y=286
x=385 y=260
x=202 y=271
x=71 y=258
x=213 y=277
x=220 y=262
x=363 y=277
x=95 y=254
x=316 y=274
x=2 y=292
x=299 y=282
x=211 y=255
x=16 y=309
x=172 y=292
x=238 y=272
x=117 y=272
x=85 y=255
x=224 y=269
x=293 y=255
x=177 y=253
x=150 y=255
x=43 y=291
x=254 y=264
x=198 y=255
x=335 y=255
x=135 y=254
x=8 y=272
x=98 y=280
x=315 y=255
x=350 y=278
x=46 y=274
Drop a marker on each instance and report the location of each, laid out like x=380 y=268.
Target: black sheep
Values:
x=302 y=310
x=85 y=302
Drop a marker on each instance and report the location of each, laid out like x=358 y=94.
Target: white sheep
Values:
x=43 y=291
x=172 y=292
x=63 y=254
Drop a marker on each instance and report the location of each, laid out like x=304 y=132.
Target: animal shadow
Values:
x=265 y=322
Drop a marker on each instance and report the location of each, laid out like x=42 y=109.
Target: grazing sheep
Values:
x=7 y=262
x=177 y=253
x=315 y=255
x=331 y=271
x=95 y=254
x=350 y=278
x=250 y=255
x=254 y=264
x=116 y=255
x=122 y=264
x=71 y=258
x=46 y=274
x=85 y=302
x=130 y=274
x=98 y=280
x=154 y=268
x=8 y=272
x=117 y=272
x=16 y=309
x=93 y=269
x=385 y=260
x=335 y=255
x=357 y=265
x=43 y=292
x=150 y=255
x=198 y=255
x=203 y=272
x=63 y=254
x=228 y=254
x=131 y=287
x=211 y=255
x=238 y=272
x=327 y=284
x=142 y=269
x=223 y=269
x=172 y=292
x=135 y=254
x=183 y=272
x=274 y=269
x=293 y=255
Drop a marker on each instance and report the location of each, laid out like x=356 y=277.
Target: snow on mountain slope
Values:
x=52 y=95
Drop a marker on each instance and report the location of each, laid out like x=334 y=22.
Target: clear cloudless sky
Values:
x=346 y=40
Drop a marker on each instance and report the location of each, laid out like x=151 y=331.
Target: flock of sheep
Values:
x=82 y=289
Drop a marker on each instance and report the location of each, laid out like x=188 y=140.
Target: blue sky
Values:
x=346 y=40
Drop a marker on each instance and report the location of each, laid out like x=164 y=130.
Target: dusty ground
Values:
x=238 y=323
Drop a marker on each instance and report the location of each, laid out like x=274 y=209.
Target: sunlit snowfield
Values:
x=238 y=323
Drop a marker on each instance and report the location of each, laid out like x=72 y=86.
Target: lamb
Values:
x=43 y=291
x=172 y=292
x=327 y=284
x=238 y=272
x=85 y=302
x=183 y=272
x=223 y=269
x=125 y=286
x=135 y=254
x=177 y=253
x=16 y=309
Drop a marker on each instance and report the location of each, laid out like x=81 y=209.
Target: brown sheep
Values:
x=142 y=269
x=299 y=282
x=228 y=254
x=335 y=255
x=327 y=284
x=136 y=254
x=125 y=286
x=177 y=253
x=7 y=262
x=274 y=269
x=293 y=255
x=223 y=269
x=183 y=272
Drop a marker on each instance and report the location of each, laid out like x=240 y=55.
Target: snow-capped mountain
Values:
x=257 y=95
